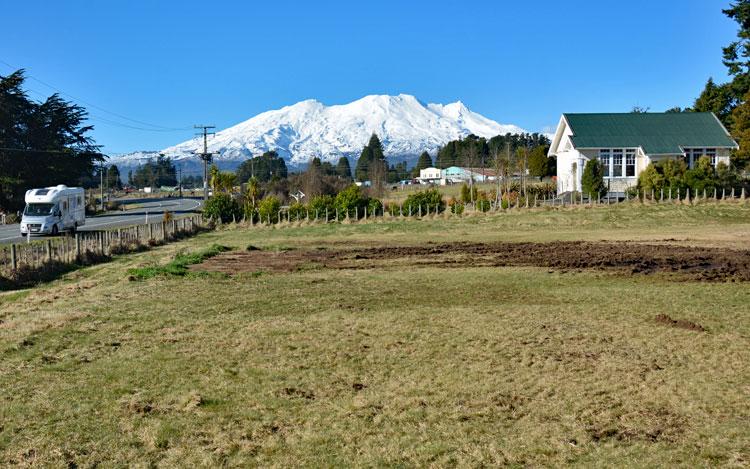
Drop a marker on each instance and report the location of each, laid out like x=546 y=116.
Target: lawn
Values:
x=392 y=365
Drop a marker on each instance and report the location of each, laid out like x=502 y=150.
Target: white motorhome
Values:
x=52 y=210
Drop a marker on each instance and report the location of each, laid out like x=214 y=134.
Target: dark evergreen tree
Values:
x=41 y=143
x=265 y=167
x=538 y=162
x=362 y=170
x=372 y=159
x=156 y=173
x=343 y=170
x=424 y=161
x=397 y=172
x=446 y=156
x=592 y=179
x=737 y=54
x=717 y=99
x=376 y=147
x=113 y=177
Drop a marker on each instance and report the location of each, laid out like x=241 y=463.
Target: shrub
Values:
x=112 y=205
x=650 y=179
x=350 y=201
x=320 y=203
x=672 y=174
x=374 y=207
x=466 y=193
x=222 y=207
x=431 y=198
x=297 y=211
x=482 y=202
x=456 y=206
x=268 y=209
x=592 y=180
x=541 y=190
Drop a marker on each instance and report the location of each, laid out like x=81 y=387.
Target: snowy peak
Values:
x=310 y=129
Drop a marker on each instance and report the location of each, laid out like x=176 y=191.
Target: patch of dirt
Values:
x=685 y=262
x=679 y=323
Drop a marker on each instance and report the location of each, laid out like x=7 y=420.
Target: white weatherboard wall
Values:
x=570 y=161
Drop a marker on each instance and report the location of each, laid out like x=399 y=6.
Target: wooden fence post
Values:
x=13 y=257
x=78 y=246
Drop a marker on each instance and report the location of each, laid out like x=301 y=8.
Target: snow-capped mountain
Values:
x=311 y=129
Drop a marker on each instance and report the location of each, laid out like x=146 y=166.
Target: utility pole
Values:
x=180 y=180
x=205 y=156
x=101 y=185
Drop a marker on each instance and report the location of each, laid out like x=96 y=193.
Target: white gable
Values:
x=562 y=141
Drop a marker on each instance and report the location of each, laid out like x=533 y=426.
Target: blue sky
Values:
x=175 y=64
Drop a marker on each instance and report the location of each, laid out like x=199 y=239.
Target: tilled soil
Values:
x=694 y=263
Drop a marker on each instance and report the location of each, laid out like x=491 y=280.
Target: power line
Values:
x=157 y=127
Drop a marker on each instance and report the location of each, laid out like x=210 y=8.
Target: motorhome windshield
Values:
x=38 y=210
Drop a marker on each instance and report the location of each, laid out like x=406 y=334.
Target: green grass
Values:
x=179 y=265
x=384 y=367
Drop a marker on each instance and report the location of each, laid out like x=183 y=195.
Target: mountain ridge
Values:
x=307 y=129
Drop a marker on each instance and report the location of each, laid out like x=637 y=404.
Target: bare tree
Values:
x=312 y=181
x=472 y=160
x=378 y=172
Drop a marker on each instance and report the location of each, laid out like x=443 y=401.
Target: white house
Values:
x=430 y=176
x=627 y=143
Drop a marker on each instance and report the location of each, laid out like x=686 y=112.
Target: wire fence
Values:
x=417 y=211
x=20 y=262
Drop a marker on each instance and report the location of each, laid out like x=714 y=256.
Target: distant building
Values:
x=627 y=143
x=430 y=176
x=458 y=175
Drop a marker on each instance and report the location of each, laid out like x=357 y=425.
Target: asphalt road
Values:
x=134 y=215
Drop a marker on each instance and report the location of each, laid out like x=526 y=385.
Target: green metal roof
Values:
x=657 y=133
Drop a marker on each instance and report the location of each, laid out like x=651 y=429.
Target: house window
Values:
x=604 y=158
x=630 y=163
x=616 y=163
x=692 y=155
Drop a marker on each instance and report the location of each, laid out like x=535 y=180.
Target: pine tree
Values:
x=737 y=54
x=592 y=180
x=424 y=162
x=538 y=162
x=717 y=99
x=371 y=159
x=343 y=170
x=113 y=177
x=741 y=133
x=446 y=156
x=362 y=171
x=376 y=147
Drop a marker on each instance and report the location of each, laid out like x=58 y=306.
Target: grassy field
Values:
x=402 y=192
x=386 y=366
